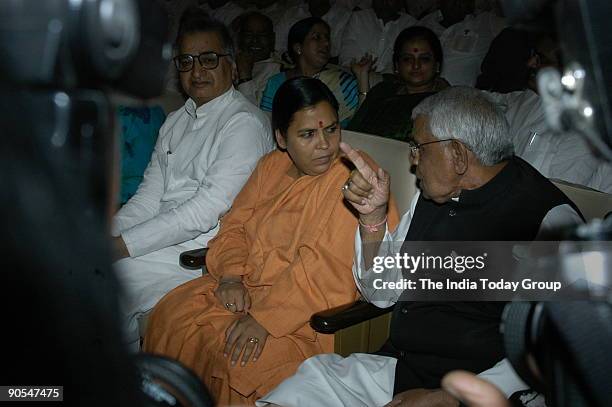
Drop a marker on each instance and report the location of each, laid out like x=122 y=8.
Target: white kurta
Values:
x=366 y=33
x=559 y=156
x=262 y=71
x=337 y=17
x=368 y=380
x=464 y=44
x=201 y=160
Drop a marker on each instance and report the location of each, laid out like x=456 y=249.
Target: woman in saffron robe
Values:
x=284 y=252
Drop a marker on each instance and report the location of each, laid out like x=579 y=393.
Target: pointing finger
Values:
x=356 y=159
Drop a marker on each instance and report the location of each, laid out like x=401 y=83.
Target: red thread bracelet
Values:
x=373 y=228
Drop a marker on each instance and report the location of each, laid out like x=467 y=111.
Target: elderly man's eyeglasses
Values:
x=414 y=146
x=208 y=60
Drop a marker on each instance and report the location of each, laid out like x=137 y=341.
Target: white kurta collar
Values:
x=217 y=103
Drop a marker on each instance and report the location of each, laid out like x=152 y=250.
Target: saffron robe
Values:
x=292 y=241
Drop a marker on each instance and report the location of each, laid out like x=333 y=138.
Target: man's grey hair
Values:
x=468 y=115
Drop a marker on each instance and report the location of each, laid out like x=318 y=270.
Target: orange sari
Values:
x=292 y=241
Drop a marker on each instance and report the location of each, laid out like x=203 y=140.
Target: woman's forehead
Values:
x=320 y=115
x=416 y=45
x=319 y=29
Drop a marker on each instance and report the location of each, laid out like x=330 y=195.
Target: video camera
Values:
x=563 y=349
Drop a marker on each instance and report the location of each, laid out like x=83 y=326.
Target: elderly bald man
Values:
x=472 y=188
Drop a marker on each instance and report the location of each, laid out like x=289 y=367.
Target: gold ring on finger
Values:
x=253 y=340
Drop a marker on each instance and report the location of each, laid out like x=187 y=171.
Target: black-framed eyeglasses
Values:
x=208 y=60
x=414 y=146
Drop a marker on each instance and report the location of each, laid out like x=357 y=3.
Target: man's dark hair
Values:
x=418 y=33
x=297 y=94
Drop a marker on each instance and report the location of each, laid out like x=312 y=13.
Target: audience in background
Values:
x=309 y=47
x=334 y=14
x=465 y=38
x=372 y=31
x=284 y=252
x=256 y=60
x=564 y=156
x=504 y=69
x=227 y=11
x=203 y=156
x=418 y=60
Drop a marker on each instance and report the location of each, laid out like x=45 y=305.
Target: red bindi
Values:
x=320 y=123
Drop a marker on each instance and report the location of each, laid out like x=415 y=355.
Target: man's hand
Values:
x=423 y=398
x=245 y=336
x=365 y=189
x=120 y=250
x=473 y=391
x=233 y=295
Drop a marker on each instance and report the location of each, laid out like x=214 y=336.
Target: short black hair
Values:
x=421 y=33
x=298 y=33
x=296 y=94
x=196 y=20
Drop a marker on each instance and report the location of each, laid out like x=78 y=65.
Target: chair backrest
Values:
x=394 y=157
x=592 y=203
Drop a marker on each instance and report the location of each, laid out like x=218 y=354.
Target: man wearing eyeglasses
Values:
x=204 y=154
x=471 y=189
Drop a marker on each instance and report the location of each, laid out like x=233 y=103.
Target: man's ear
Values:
x=280 y=140
x=460 y=157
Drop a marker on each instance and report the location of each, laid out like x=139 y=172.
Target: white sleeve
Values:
x=249 y=90
x=244 y=140
x=559 y=217
x=389 y=247
x=146 y=201
x=503 y=376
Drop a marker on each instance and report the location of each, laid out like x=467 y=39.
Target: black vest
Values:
x=432 y=338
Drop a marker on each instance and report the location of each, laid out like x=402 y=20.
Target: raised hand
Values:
x=367 y=190
x=244 y=336
x=362 y=67
x=233 y=295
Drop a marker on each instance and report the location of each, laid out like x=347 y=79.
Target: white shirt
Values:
x=230 y=10
x=464 y=44
x=366 y=33
x=262 y=71
x=227 y=12
x=564 y=156
x=337 y=17
x=201 y=160
x=351 y=4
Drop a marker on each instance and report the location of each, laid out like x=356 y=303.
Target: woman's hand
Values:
x=233 y=295
x=244 y=336
x=367 y=190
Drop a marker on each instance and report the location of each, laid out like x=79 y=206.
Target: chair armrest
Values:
x=193 y=259
x=334 y=319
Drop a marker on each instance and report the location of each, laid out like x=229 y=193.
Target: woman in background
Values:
x=309 y=47
x=386 y=111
